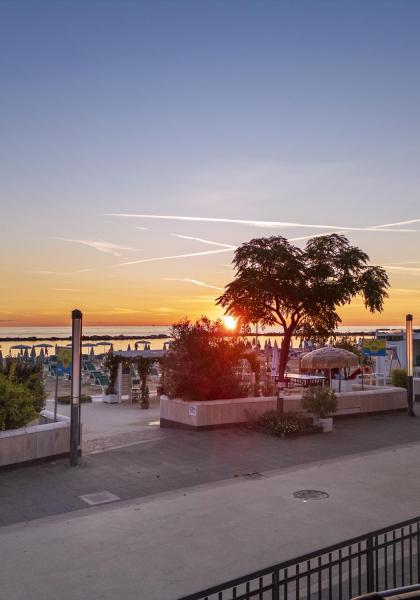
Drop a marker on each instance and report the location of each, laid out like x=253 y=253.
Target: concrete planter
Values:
x=326 y=424
x=110 y=399
x=29 y=444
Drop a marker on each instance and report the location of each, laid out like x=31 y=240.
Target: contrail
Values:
x=270 y=224
x=197 y=239
x=195 y=282
x=146 y=260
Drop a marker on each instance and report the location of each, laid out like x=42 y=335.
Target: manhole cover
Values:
x=99 y=498
x=310 y=495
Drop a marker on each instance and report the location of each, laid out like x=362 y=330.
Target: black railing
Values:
x=383 y=559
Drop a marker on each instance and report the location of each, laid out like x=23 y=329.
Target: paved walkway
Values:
x=181 y=542
x=168 y=460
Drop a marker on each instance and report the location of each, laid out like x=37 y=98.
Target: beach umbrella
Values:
x=33 y=353
x=128 y=348
x=42 y=355
x=275 y=359
x=26 y=353
x=20 y=347
x=104 y=344
x=92 y=353
x=45 y=347
x=329 y=358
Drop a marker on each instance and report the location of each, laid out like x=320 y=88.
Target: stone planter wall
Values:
x=36 y=442
x=224 y=413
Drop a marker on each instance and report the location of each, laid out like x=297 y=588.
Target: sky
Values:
x=250 y=118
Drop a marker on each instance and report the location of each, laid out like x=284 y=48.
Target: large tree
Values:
x=301 y=289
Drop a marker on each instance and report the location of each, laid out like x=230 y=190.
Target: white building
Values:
x=396 y=350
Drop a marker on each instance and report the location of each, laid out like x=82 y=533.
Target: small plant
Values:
x=67 y=399
x=320 y=401
x=399 y=378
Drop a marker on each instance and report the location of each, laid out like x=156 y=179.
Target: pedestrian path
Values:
x=172 y=544
x=166 y=460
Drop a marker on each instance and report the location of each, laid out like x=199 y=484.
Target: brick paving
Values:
x=165 y=460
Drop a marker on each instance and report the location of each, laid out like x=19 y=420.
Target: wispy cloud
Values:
x=401 y=269
x=194 y=282
x=142 y=228
x=257 y=223
x=100 y=246
x=163 y=309
x=171 y=257
x=203 y=241
x=66 y=290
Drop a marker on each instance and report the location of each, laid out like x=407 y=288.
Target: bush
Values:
x=17 y=404
x=201 y=361
x=67 y=399
x=288 y=425
x=399 y=378
x=321 y=401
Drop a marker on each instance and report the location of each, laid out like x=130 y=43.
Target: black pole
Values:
x=409 y=356
x=76 y=371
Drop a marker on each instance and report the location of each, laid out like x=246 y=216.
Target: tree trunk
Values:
x=284 y=351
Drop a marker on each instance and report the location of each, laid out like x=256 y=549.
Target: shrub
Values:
x=201 y=361
x=399 y=378
x=67 y=399
x=321 y=401
x=287 y=425
x=17 y=404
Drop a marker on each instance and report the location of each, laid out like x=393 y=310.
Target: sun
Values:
x=229 y=322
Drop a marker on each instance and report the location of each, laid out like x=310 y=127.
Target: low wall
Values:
x=36 y=442
x=224 y=413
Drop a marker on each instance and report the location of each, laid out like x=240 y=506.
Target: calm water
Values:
x=133 y=332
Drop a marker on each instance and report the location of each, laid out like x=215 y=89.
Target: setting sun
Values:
x=229 y=322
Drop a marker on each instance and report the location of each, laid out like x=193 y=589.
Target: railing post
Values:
x=370 y=565
x=276 y=582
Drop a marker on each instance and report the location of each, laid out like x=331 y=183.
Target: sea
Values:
x=131 y=335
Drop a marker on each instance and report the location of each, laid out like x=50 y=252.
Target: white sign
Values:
x=192 y=410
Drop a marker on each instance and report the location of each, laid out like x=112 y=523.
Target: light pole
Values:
x=76 y=372
x=409 y=353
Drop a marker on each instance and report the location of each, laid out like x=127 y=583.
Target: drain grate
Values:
x=99 y=498
x=306 y=495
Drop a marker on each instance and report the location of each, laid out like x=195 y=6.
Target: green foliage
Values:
x=279 y=283
x=290 y=424
x=22 y=393
x=399 y=378
x=67 y=399
x=201 y=360
x=17 y=404
x=349 y=345
x=321 y=401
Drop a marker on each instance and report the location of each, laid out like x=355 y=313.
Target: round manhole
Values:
x=310 y=495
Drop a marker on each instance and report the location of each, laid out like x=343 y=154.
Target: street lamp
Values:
x=76 y=373
x=409 y=353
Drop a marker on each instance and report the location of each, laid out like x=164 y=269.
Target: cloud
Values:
x=203 y=241
x=163 y=309
x=172 y=257
x=106 y=247
x=65 y=290
x=257 y=223
x=142 y=228
x=400 y=269
x=194 y=282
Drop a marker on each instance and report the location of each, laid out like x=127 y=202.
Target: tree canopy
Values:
x=301 y=289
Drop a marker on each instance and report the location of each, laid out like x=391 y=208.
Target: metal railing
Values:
x=383 y=559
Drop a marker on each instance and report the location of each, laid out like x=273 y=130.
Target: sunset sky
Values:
x=250 y=118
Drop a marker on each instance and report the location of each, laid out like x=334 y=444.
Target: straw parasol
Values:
x=329 y=358
x=275 y=359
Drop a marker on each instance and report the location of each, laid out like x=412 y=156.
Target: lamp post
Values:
x=76 y=372
x=409 y=353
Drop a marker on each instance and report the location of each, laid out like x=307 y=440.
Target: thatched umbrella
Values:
x=329 y=358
